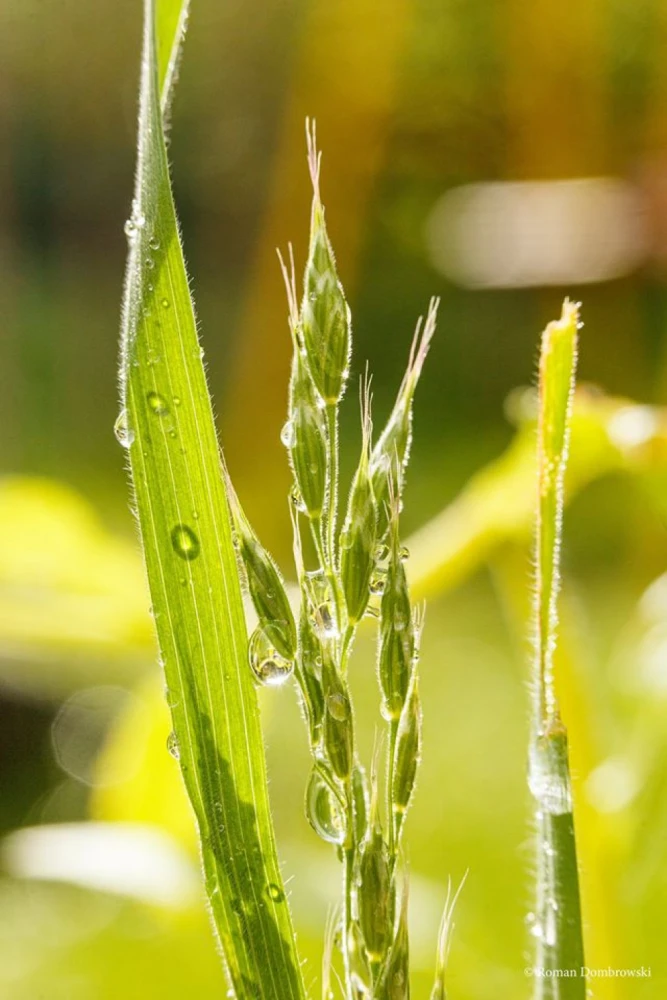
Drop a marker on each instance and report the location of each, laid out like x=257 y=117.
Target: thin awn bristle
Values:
x=333 y=918
x=314 y=157
x=421 y=341
x=427 y=336
x=447 y=923
x=366 y=405
x=289 y=277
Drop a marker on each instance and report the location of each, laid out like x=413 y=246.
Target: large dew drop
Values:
x=266 y=663
x=323 y=811
x=122 y=430
x=185 y=542
x=288 y=434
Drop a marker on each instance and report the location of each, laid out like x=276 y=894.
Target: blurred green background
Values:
x=495 y=153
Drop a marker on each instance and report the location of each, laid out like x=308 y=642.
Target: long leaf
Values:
x=559 y=953
x=167 y=426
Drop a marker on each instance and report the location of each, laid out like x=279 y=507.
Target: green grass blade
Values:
x=559 y=954
x=167 y=426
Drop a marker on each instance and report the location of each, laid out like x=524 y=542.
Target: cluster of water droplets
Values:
x=135 y=224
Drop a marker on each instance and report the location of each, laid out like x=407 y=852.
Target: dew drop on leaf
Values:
x=275 y=892
x=165 y=303
x=173 y=746
x=157 y=403
x=268 y=666
x=185 y=542
x=124 y=434
x=338 y=706
x=322 y=810
x=288 y=434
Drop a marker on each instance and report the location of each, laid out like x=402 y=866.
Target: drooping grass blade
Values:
x=556 y=923
x=167 y=426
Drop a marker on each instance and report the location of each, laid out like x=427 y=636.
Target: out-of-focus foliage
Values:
x=72 y=595
x=612 y=693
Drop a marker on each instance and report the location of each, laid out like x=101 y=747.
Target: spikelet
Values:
x=394 y=982
x=407 y=753
x=325 y=315
x=397 y=637
x=265 y=584
x=358 y=540
x=338 y=722
x=375 y=896
x=305 y=433
x=392 y=450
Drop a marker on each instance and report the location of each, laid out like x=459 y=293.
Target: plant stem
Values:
x=393 y=846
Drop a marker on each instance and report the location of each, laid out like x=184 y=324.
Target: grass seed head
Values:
x=310 y=669
x=325 y=316
x=394 y=982
x=358 y=540
x=408 y=749
x=359 y=802
x=397 y=634
x=338 y=723
x=375 y=894
x=392 y=451
x=265 y=583
x=305 y=433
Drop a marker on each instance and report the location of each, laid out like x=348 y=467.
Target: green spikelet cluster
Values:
x=358 y=572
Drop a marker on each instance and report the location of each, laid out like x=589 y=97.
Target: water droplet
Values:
x=157 y=403
x=268 y=666
x=325 y=621
x=177 y=400
x=154 y=243
x=548 y=778
x=173 y=746
x=404 y=553
x=150 y=263
x=323 y=811
x=165 y=303
x=378 y=584
x=338 y=706
x=124 y=433
x=288 y=434
x=401 y=621
x=275 y=892
x=135 y=223
x=297 y=499
x=185 y=542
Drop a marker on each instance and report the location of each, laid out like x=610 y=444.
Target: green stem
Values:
x=348 y=883
x=332 y=431
x=393 y=844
